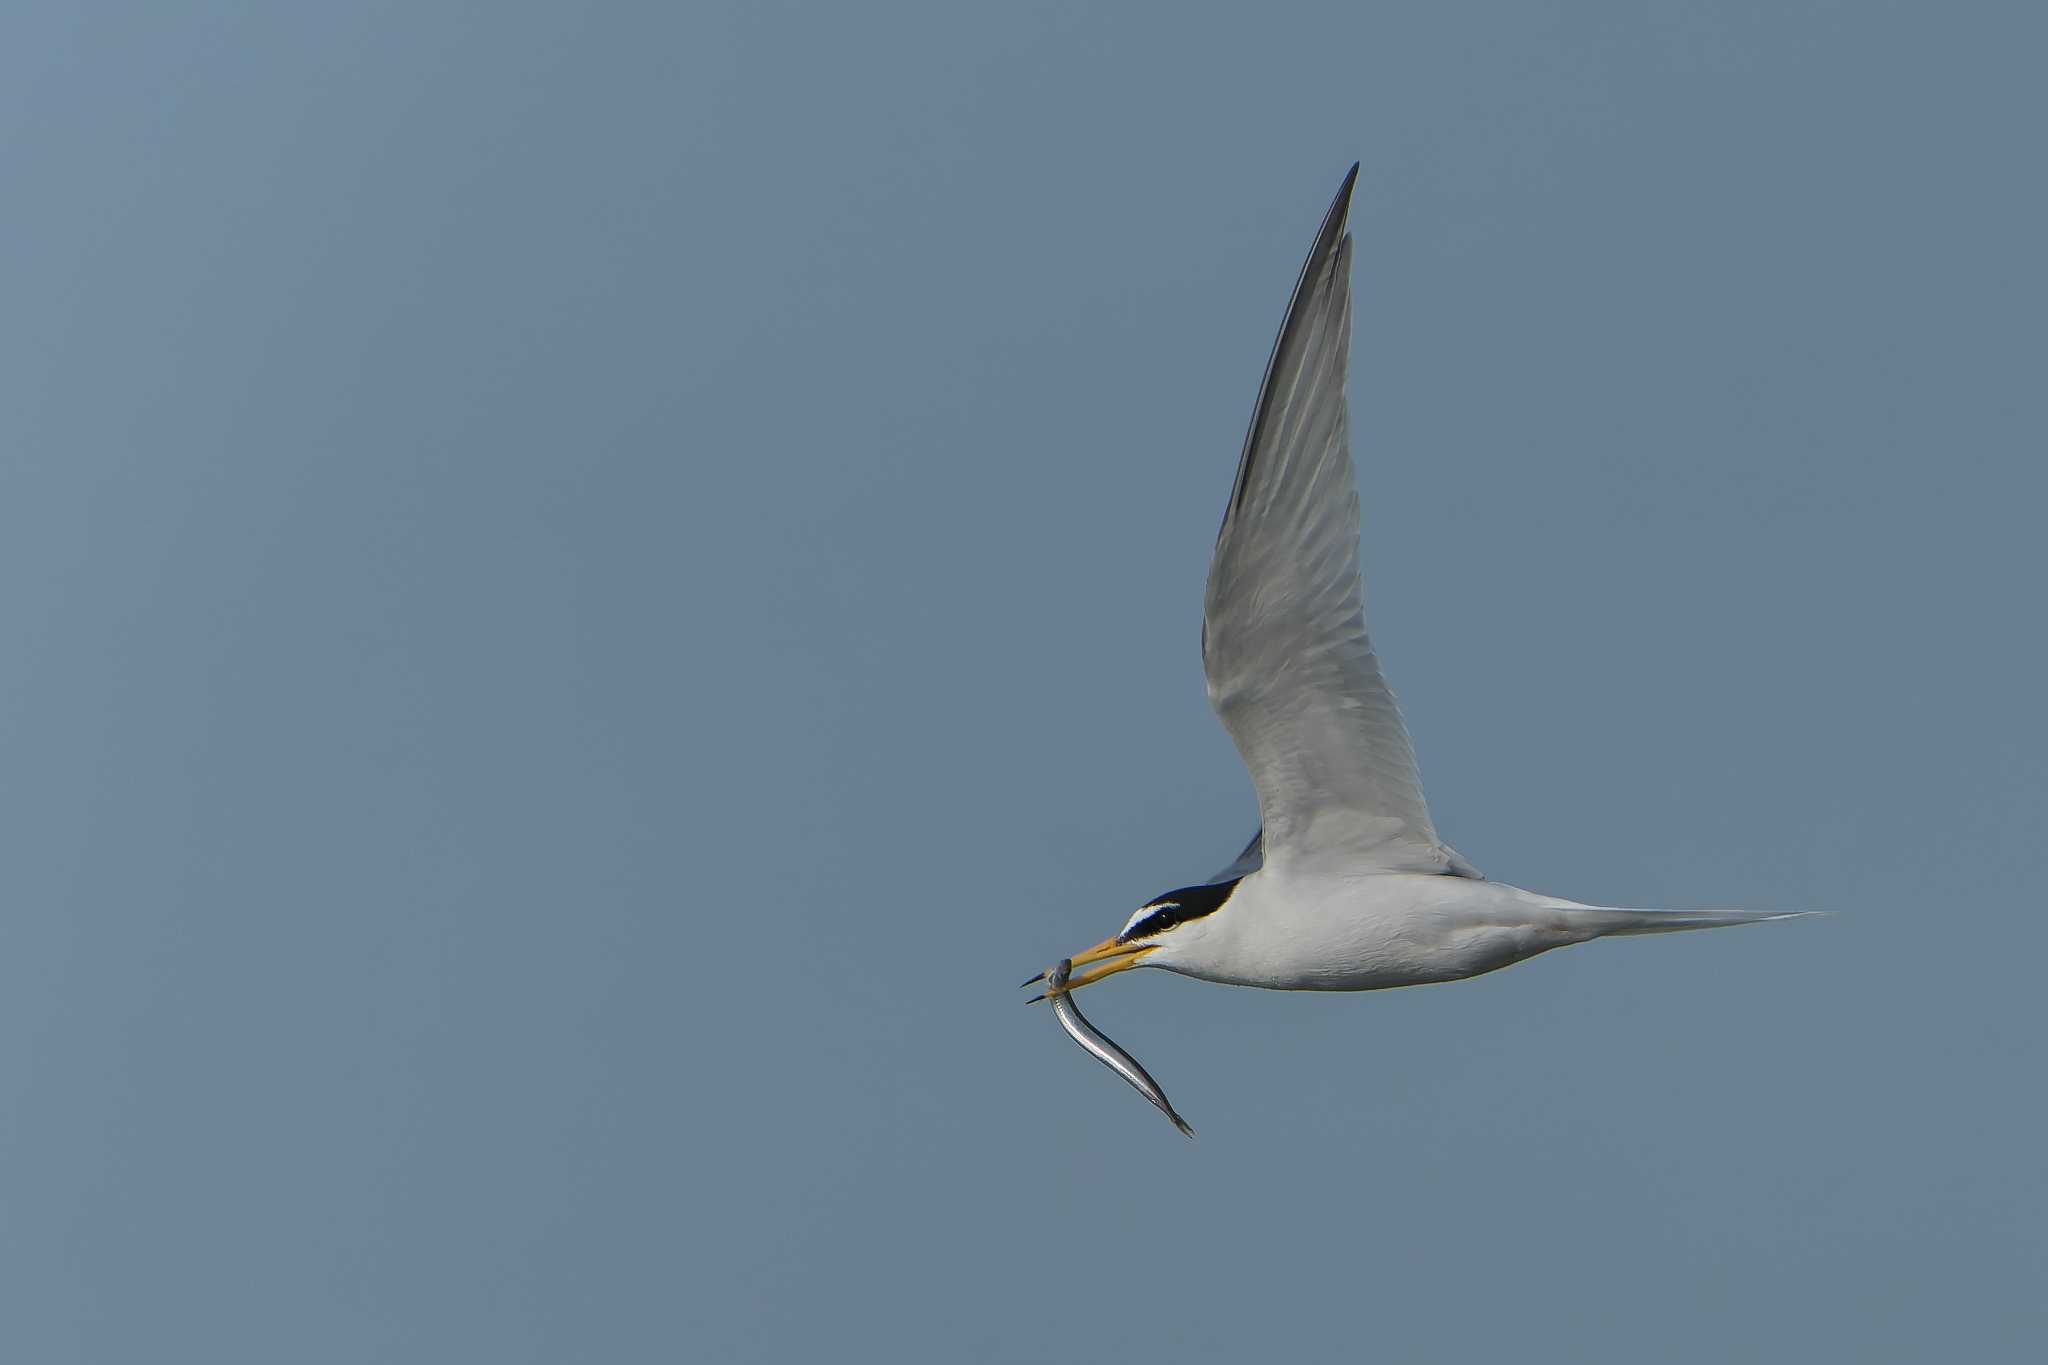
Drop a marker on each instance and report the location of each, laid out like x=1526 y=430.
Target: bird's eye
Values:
x=1145 y=913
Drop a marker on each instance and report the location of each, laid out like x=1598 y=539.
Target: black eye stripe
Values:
x=1178 y=907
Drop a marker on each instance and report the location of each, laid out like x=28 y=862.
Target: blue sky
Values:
x=585 y=590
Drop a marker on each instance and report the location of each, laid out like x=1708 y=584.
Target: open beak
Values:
x=1119 y=957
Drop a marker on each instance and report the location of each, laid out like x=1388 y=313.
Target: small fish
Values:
x=1098 y=1043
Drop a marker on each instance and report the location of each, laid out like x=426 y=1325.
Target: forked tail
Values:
x=1602 y=923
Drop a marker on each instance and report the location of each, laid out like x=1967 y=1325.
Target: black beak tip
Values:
x=1032 y=982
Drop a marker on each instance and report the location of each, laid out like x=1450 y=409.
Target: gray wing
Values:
x=1291 y=670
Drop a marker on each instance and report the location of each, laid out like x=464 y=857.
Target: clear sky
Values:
x=584 y=589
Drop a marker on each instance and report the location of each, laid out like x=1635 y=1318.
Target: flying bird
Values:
x=1346 y=886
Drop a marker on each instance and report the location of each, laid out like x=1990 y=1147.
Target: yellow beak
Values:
x=1121 y=957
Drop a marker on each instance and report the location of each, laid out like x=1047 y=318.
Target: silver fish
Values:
x=1098 y=1043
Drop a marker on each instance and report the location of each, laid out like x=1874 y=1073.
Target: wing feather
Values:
x=1291 y=669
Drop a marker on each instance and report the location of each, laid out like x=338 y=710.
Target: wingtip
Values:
x=1334 y=221
x=1329 y=246
x=1344 y=190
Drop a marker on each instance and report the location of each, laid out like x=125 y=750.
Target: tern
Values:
x=1346 y=886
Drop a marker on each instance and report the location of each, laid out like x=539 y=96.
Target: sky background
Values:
x=584 y=589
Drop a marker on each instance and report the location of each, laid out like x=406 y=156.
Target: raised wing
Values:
x=1291 y=670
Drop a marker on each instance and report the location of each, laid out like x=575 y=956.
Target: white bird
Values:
x=1347 y=886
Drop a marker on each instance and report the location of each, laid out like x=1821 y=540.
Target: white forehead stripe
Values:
x=1145 y=910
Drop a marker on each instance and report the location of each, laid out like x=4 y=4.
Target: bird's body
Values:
x=1365 y=931
x=1347 y=886
x=1361 y=932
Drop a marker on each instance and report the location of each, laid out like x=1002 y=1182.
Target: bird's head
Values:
x=1148 y=934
